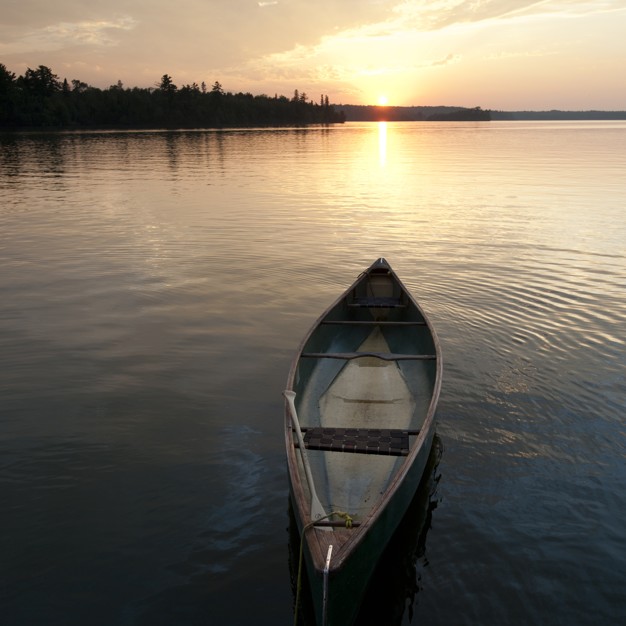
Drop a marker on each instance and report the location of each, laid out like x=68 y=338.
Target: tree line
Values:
x=371 y=113
x=556 y=114
x=39 y=98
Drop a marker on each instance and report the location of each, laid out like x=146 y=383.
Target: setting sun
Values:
x=383 y=101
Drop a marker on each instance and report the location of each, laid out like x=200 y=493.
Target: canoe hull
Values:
x=347 y=586
x=370 y=364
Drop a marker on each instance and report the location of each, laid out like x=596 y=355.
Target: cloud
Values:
x=448 y=60
x=350 y=47
x=428 y=15
x=100 y=33
x=404 y=29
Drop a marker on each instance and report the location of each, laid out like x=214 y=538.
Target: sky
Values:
x=496 y=54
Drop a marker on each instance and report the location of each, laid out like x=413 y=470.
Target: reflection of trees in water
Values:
x=396 y=581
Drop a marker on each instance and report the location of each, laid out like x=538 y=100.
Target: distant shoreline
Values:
x=372 y=113
x=39 y=99
x=558 y=115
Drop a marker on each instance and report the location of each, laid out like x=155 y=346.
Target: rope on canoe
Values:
x=348 y=520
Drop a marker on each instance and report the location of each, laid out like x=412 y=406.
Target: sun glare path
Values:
x=382 y=143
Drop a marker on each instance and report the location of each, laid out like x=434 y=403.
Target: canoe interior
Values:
x=375 y=316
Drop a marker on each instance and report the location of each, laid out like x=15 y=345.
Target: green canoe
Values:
x=359 y=425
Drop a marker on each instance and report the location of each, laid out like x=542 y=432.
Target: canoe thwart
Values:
x=385 y=356
x=374 y=323
x=385 y=441
x=377 y=303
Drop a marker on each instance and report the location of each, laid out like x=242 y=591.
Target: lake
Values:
x=154 y=288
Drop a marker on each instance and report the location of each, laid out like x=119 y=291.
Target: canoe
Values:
x=393 y=583
x=360 y=407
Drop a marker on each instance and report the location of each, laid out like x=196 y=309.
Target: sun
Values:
x=383 y=100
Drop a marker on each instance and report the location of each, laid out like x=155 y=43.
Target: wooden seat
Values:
x=384 y=441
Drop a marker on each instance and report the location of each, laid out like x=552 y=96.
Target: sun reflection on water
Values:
x=382 y=143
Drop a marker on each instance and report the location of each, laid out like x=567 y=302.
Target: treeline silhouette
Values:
x=558 y=115
x=40 y=99
x=370 y=113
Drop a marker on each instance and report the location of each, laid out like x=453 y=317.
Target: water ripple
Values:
x=155 y=285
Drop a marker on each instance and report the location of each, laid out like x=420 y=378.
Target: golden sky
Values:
x=497 y=54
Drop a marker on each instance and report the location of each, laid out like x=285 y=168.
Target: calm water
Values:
x=154 y=287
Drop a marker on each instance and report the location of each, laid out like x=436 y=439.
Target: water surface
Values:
x=154 y=287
